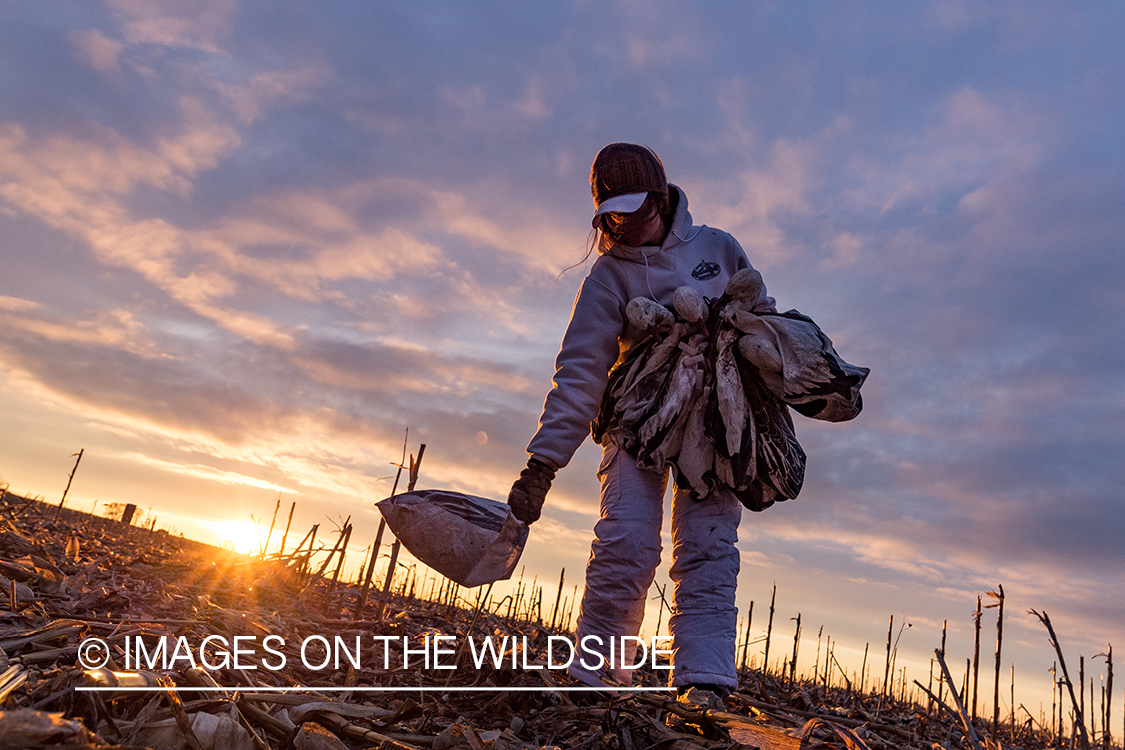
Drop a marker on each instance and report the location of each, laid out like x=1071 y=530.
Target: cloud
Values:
x=15 y=304
x=773 y=195
x=252 y=98
x=95 y=49
x=656 y=35
x=118 y=329
x=402 y=369
x=201 y=25
x=201 y=471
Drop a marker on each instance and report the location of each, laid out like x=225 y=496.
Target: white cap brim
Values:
x=621 y=204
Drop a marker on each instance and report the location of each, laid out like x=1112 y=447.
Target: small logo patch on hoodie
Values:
x=705 y=271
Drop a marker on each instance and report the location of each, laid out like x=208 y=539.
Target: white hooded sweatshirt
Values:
x=599 y=334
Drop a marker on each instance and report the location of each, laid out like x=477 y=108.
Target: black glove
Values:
x=528 y=492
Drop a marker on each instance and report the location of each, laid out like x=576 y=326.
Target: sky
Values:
x=244 y=247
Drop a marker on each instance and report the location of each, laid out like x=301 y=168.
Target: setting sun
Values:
x=243 y=536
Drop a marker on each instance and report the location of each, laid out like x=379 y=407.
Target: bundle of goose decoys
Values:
x=708 y=390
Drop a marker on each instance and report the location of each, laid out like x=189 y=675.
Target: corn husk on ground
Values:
x=708 y=390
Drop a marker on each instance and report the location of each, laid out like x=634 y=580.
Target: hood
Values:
x=681 y=231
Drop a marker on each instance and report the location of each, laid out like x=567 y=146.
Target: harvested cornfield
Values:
x=68 y=577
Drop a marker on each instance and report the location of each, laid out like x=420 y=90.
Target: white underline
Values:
x=436 y=689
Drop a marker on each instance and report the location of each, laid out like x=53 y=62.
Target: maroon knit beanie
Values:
x=622 y=168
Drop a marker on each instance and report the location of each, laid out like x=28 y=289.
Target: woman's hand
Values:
x=529 y=491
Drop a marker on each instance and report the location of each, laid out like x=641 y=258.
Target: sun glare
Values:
x=243 y=536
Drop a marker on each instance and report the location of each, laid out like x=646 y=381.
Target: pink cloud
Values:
x=95 y=50
x=198 y=24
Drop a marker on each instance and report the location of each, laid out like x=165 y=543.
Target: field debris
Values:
x=65 y=581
